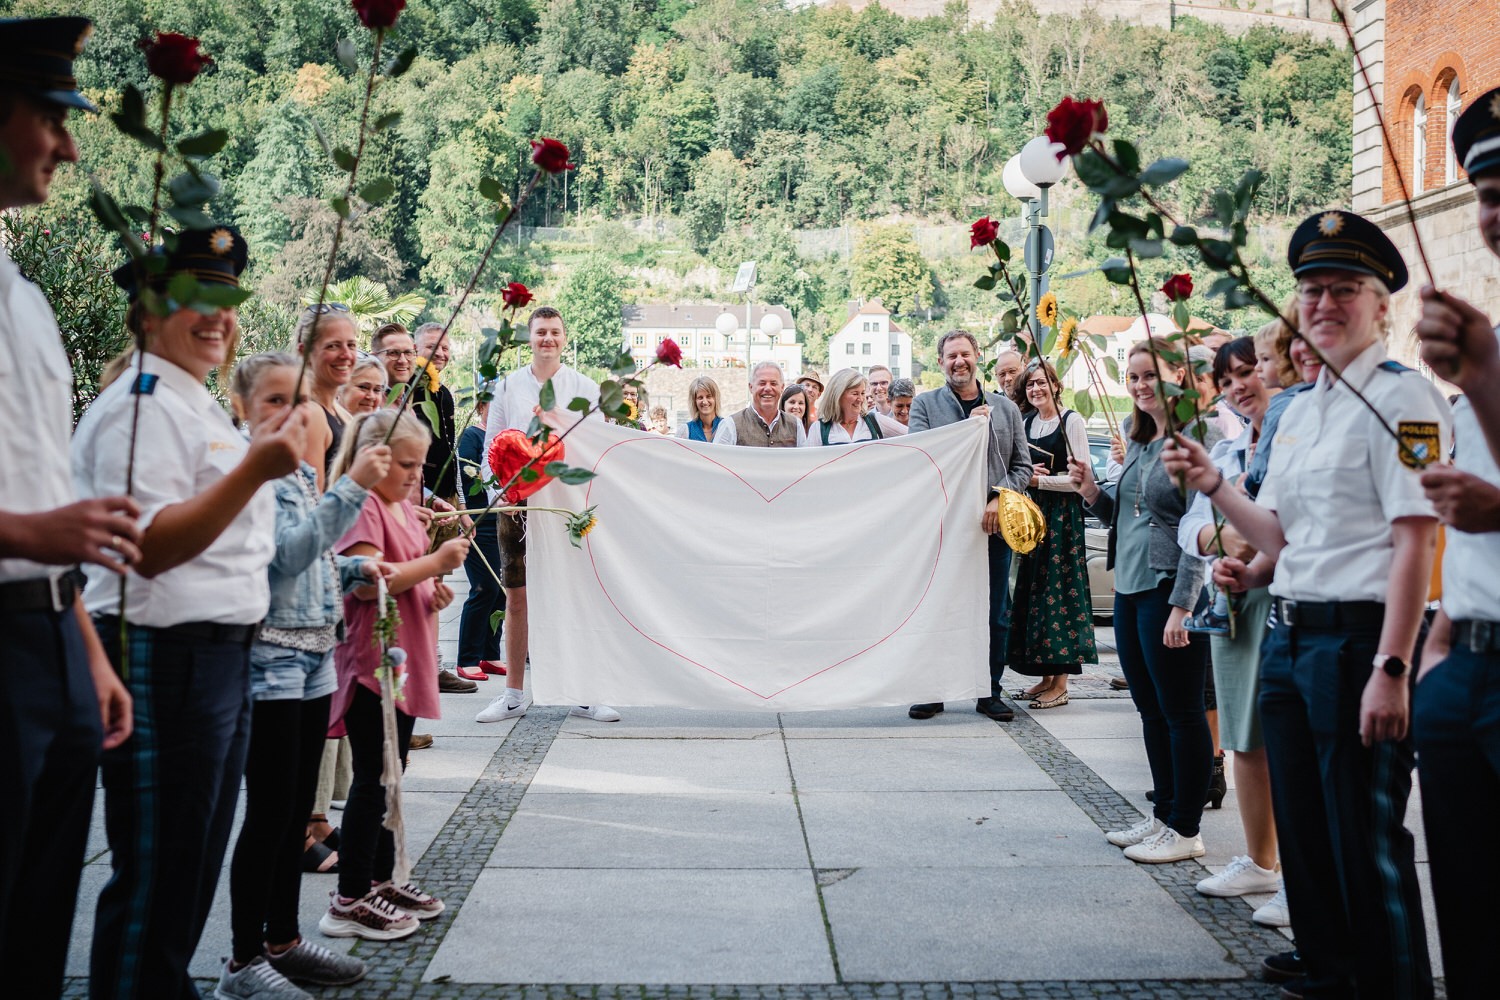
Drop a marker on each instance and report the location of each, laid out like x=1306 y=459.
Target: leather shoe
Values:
x=451 y=683
x=1284 y=967
x=926 y=710
x=995 y=709
x=1119 y=684
x=420 y=741
x=1292 y=990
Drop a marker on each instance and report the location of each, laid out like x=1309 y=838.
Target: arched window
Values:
x=1419 y=145
x=1450 y=159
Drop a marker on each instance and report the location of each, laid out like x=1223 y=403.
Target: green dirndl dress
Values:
x=1051 y=625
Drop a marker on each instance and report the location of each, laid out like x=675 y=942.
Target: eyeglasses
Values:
x=396 y=352
x=1039 y=383
x=1342 y=292
x=322 y=308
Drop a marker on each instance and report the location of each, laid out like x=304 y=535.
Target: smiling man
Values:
x=1009 y=466
x=761 y=424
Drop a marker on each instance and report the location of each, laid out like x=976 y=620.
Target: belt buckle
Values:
x=1481 y=636
x=55 y=592
x=1288 y=612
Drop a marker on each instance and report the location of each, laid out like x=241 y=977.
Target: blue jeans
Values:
x=1348 y=860
x=1167 y=688
x=1456 y=726
x=999 y=560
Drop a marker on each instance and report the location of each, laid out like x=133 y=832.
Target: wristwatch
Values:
x=1393 y=666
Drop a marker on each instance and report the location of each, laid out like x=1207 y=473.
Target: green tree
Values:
x=590 y=301
x=888 y=265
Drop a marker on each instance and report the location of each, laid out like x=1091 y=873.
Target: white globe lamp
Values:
x=1039 y=162
x=771 y=326
x=1016 y=184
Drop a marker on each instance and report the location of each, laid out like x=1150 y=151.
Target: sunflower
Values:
x=632 y=412
x=1046 y=310
x=1065 y=337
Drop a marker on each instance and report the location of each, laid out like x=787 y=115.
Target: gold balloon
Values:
x=1021 y=522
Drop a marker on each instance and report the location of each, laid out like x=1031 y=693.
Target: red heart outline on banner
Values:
x=512 y=451
x=845 y=453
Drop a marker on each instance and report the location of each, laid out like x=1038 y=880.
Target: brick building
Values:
x=1428 y=60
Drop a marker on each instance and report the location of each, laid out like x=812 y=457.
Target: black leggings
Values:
x=281 y=777
x=367 y=851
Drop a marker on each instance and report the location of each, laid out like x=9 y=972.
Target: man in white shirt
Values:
x=760 y=425
x=57 y=684
x=517 y=401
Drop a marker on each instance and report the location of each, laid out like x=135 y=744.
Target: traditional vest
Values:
x=695 y=429
x=750 y=430
x=825 y=428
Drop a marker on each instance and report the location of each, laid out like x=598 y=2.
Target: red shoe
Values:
x=472 y=673
x=492 y=667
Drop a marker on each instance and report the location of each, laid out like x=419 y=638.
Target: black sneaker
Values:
x=1207 y=623
x=1282 y=968
x=995 y=709
x=926 y=710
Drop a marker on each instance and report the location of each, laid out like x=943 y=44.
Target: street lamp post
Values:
x=1027 y=177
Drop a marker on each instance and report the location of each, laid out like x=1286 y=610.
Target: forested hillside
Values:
x=733 y=123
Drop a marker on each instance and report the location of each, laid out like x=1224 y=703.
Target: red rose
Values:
x=983 y=232
x=668 y=353
x=551 y=156
x=377 y=14
x=174 y=58
x=515 y=295
x=1075 y=123
x=1178 y=287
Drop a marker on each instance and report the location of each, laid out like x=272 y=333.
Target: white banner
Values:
x=762 y=578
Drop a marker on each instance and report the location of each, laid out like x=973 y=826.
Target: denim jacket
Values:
x=304 y=593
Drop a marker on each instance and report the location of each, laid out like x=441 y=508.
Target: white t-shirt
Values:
x=518 y=395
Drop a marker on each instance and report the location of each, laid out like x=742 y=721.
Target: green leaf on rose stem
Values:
x=1092 y=170
x=394 y=393
x=183 y=287
x=1005 y=296
x=386 y=120
x=1127 y=223
x=1116 y=271
x=1146 y=249
x=346 y=54
x=1102 y=213
x=1239 y=298
x=536 y=430
x=377 y=190
x=1186 y=410
x=530 y=475
x=1111 y=367
x=344 y=159
x=189 y=191
x=340 y=206
x=191 y=218
x=476 y=488
x=1170 y=355
x=1120 y=187
x=1127 y=156
x=1167 y=388
x=1184 y=236
x=490 y=189
x=107 y=210
x=496 y=617
x=1180 y=314
x=1010 y=321
x=1002 y=250
x=985 y=284
x=578 y=404
x=204 y=143
x=548 y=397
x=212 y=298
x=1155 y=225
x=133 y=106
x=1098 y=340
x=1164 y=171
x=623 y=364
x=1217 y=254
x=401 y=62
x=1083 y=404
x=1049 y=341
x=1245 y=191
x=429 y=411
x=555 y=468
x=610 y=396
x=1223 y=204
x=574 y=476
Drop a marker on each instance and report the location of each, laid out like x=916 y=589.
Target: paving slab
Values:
x=633 y=767
x=919 y=764
x=943 y=830
x=1054 y=923
x=724 y=830
x=1102 y=718
x=667 y=927
x=885 y=723
x=676 y=724
x=451 y=764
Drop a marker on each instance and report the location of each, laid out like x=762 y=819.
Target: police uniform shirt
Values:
x=1337 y=480
x=185 y=443
x=1471 y=563
x=36 y=408
x=519 y=394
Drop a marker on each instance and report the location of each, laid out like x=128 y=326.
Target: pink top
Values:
x=356 y=657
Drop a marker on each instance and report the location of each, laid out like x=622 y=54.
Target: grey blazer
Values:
x=1009 y=457
x=1166 y=505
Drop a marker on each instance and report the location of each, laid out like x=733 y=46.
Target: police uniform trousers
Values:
x=1346 y=856
x=169 y=799
x=1456 y=721
x=50 y=735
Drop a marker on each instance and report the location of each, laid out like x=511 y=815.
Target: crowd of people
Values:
x=193 y=600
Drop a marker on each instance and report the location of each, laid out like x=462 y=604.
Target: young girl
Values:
x=292 y=681
x=368 y=904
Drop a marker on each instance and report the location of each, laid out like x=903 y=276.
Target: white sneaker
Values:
x=500 y=709
x=1243 y=876
x=599 y=713
x=256 y=980
x=1144 y=830
x=371 y=918
x=1274 y=913
x=1166 y=846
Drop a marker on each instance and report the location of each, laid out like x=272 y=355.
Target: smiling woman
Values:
x=327 y=335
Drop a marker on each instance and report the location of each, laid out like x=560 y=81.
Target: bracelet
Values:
x=1215 y=488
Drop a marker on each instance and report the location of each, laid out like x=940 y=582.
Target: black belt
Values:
x=236 y=635
x=1480 y=637
x=1329 y=614
x=53 y=593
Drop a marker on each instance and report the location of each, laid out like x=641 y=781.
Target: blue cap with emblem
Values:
x=1476 y=135
x=1342 y=241
x=214 y=256
x=39 y=54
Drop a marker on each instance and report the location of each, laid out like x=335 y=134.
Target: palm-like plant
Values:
x=371 y=305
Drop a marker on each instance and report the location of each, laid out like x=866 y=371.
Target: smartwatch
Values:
x=1393 y=666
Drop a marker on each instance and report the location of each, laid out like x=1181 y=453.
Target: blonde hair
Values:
x=248 y=373
x=369 y=429
x=840 y=383
x=311 y=325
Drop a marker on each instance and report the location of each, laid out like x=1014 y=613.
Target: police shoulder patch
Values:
x=1394 y=366
x=145 y=384
x=1420 y=443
